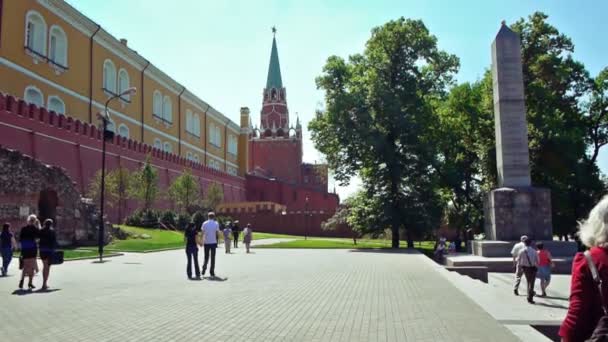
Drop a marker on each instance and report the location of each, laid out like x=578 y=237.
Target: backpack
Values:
x=600 y=333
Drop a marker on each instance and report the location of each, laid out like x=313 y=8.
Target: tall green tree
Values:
x=144 y=185
x=185 y=192
x=116 y=188
x=214 y=196
x=378 y=108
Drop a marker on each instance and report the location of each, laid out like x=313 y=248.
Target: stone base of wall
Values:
x=512 y=212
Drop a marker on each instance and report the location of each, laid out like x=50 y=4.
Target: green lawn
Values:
x=329 y=243
x=159 y=239
x=260 y=236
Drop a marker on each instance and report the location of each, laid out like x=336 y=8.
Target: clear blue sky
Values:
x=220 y=49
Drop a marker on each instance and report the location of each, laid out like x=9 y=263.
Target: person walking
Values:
x=235 y=234
x=47 y=244
x=518 y=247
x=29 y=250
x=191 y=237
x=210 y=230
x=440 y=249
x=527 y=259
x=247 y=236
x=586 y=302
x=545 y=262
x=7 y=246
x=39 y=227
x=227 y=233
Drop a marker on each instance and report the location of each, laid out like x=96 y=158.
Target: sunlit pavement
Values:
x=269 y=295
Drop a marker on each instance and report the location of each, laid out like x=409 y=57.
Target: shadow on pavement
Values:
x=550 y=331
x=215 y=278
x=552 y=305
x=21 y=292
x=557 y=298
x=386 y=250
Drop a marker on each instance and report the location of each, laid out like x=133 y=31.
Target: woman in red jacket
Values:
x=585 y=308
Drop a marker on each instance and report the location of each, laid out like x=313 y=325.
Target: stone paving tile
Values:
x=269 y=295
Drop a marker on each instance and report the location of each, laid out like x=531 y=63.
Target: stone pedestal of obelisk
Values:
x=515 y=208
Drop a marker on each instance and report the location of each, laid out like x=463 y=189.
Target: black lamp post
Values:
x=306 y=220
x=107 y=135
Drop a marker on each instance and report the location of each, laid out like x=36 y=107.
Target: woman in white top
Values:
x=247 y=236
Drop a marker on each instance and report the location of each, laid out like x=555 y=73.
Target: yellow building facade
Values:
x=55 y=57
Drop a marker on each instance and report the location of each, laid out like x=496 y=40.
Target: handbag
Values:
x=57 y=258
x=529 y=261
x=600 y=333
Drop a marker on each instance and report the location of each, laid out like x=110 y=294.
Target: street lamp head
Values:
x=129 y=91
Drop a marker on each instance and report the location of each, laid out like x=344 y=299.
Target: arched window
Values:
x=123 y=84
x=157 y=104
x=196 y=159
x=56 y=104
x=111 y=126
x=33 y=95
x=35 y=32
x=123 y=130
x=189 y=122
x=189 y=156
x=197 y=125
x=157 y=144
x=167 y=109
x=109 y=76
x=58 y=49
x=167 y=147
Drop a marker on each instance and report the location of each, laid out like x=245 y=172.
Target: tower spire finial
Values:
x=274 y=31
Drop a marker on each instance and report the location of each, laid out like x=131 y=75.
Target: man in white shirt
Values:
x=210 y=230
x=527 y=259
x=518 y=247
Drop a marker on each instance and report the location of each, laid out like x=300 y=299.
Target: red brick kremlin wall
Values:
x=76 y=146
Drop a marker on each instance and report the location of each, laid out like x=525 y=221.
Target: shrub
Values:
x=134 y=219
x=182 y=221
x=168 y=218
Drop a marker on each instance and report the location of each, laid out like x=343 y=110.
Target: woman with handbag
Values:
x=586 y=318
x=47 y=245
x=29 y=250
x=7 y=245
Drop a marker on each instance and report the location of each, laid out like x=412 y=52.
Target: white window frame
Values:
x=109 y=85
x=123 y=75
x=197 y=125
x=122 y=127
x=42 y=32
x=158 y=144
x=167 y=109
x=111 y=126
x=61 y=52
x=232 y=145
x=196 y=158
x=59 y=100
x=189 y=121
x=167 y=147
x=29 y=100
x=157 y=104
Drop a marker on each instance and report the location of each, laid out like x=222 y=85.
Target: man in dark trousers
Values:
x=210 y=230
x=235 y=233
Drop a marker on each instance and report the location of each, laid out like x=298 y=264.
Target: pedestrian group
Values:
x=207 y=237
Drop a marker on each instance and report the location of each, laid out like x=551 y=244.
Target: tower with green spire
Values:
x=274 y=117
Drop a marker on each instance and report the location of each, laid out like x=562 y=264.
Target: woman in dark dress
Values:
x=47 y=245
x=29 y=250
x=7 y=245
x=191 y=237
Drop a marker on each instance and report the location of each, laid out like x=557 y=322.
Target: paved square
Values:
x=271 y=295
